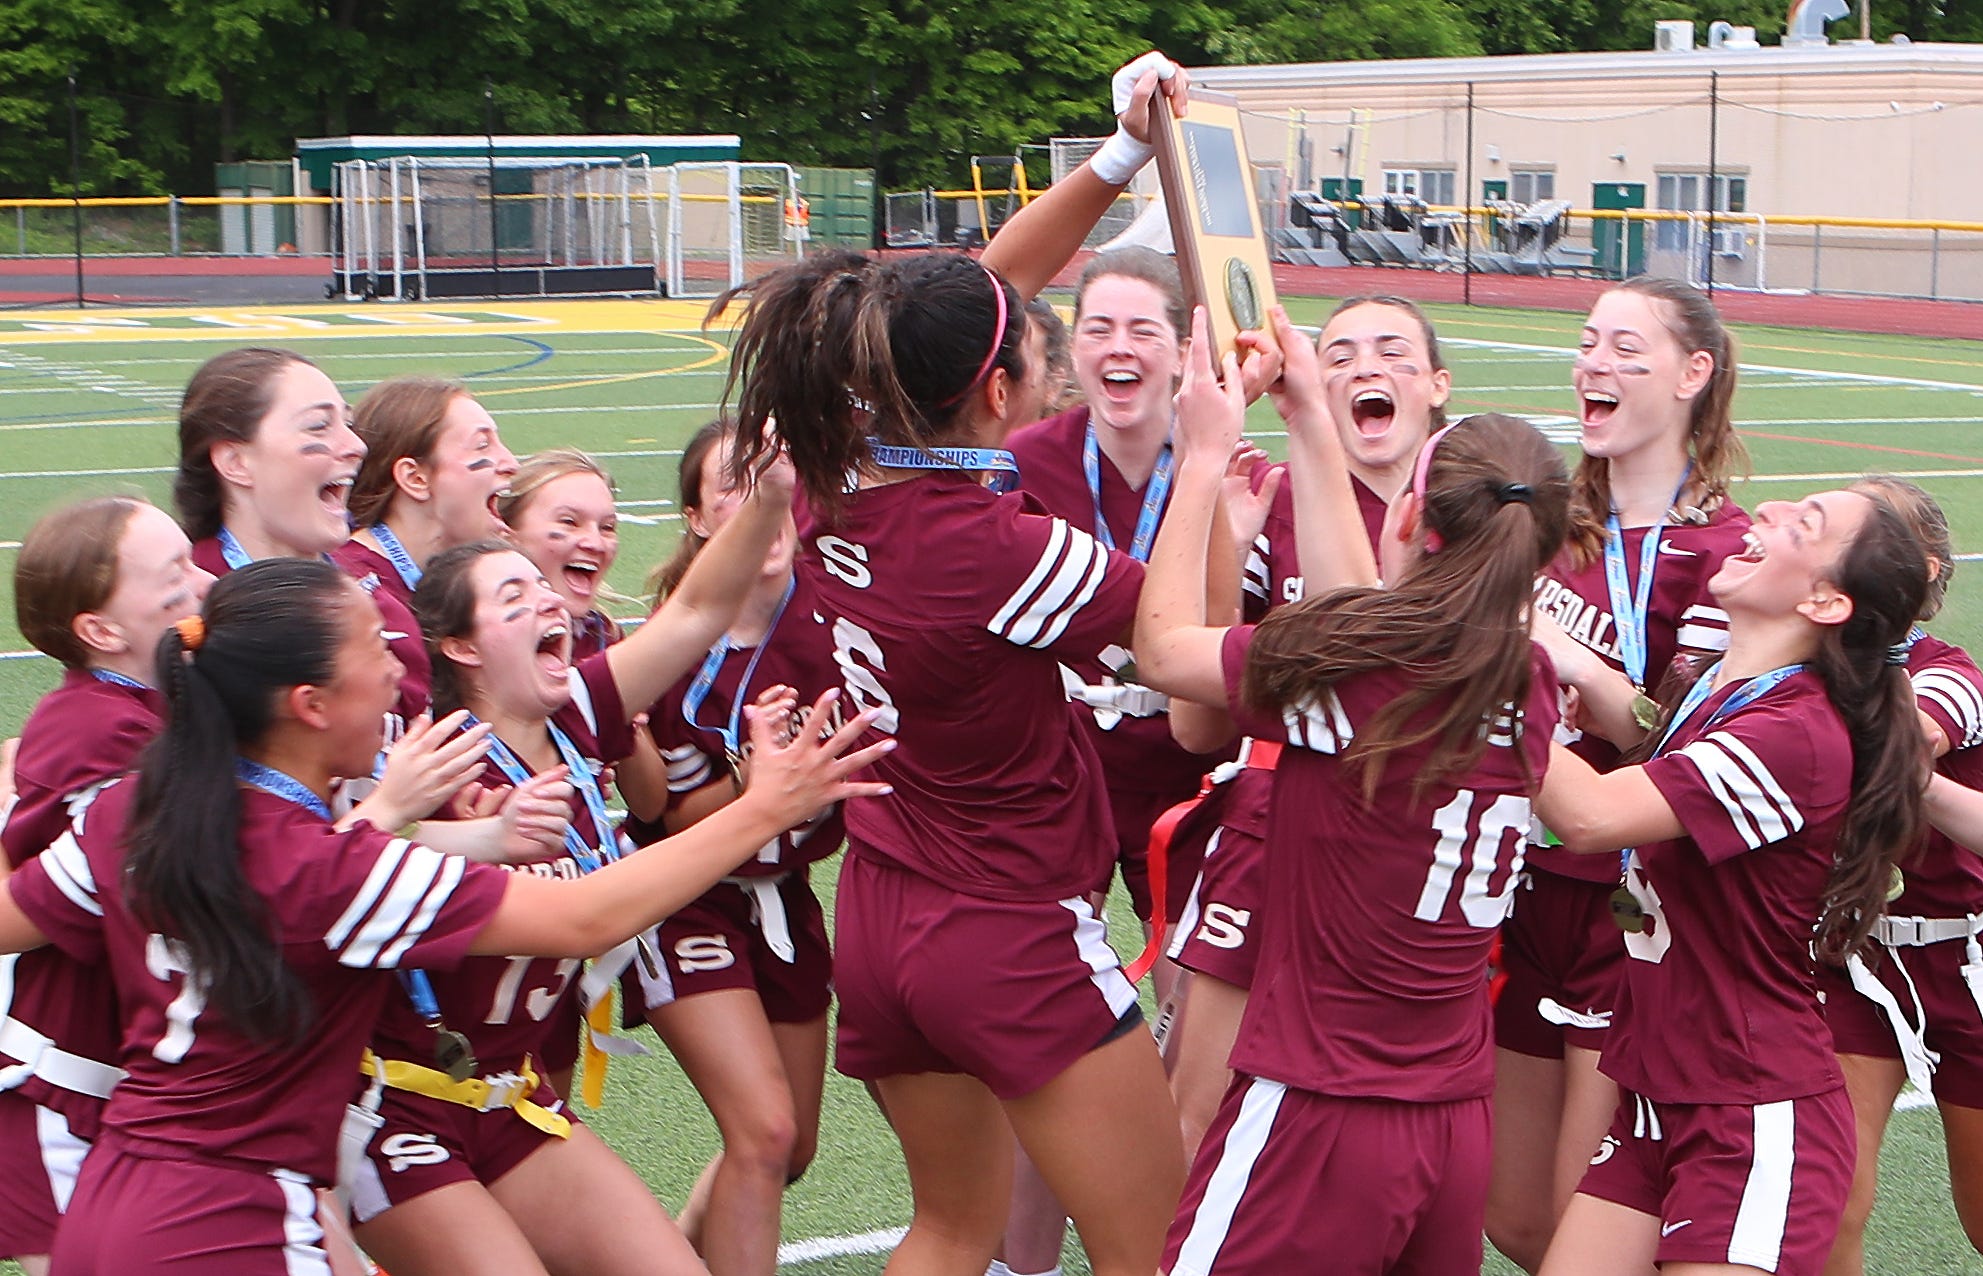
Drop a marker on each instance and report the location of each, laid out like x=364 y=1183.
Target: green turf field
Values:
x=87 y=407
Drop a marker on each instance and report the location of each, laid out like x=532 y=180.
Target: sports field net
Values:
x=730 y=222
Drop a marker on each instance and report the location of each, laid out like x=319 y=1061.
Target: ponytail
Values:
x=269 y=626
x=1885 y=574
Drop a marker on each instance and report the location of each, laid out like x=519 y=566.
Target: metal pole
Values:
x=1466 y=212
x=1935 y=263
x=76 y=184
x=172 y=222
x=1714 y=164
x=489 y=135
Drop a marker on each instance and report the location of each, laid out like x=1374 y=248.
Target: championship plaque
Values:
x=1214 y=214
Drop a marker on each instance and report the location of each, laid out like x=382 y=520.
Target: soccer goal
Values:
x=729 y=222
x=412 y=227
x=1141 y=198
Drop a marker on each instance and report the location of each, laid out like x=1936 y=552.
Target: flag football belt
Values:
x=1256 y=755
x=1128 y=699
x=511 y=1090
x=1918 y=932
x=40 y=1057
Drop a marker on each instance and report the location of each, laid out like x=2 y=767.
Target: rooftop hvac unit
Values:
x=1676 y=35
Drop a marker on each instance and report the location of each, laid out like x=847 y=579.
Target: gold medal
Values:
x=1645 y=711
x=1627 y=913
x=1896 y=884
x=453 y=1055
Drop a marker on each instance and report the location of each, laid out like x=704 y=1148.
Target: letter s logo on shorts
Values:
x=1224 y=926
x=845 y=559
x=704 y=952
x=1607 y=1149
x=403 y=1151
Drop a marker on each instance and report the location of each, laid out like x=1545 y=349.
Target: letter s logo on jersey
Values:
x=1224 y=926
x=704 y=952
x=1607 y=1149
x=846 y=560
x=403 y=1151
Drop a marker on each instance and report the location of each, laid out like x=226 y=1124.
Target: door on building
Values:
x=1620 y=244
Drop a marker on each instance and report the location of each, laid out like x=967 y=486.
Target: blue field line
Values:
x=543 y=352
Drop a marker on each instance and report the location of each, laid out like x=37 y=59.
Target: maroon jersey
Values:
x=951 y=609
x=83 y=733
x=379 y=578
x=1137 y=751
x=794 y=654
x=395 y=614
x=1379 y=914
x=591 y=634
x=1681 y=618
x=1720 y=1001
x=1273 y=567
x=343 y=907
x=510 y=1006
x=1945 y=880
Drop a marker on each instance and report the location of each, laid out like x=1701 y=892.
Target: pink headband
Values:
x=997 y=341
x=1434 y=542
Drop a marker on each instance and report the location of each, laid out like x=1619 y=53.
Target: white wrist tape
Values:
x=1120 y=158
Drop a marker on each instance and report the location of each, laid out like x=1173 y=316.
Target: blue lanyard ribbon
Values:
x=582 y=778
x=1629 y=608
x=116 y=679
x=1154 y=493
x=1744 y=696
x=971 y=460
x=705 y=678
x=232 y=552
x=402 y=562
x=286 y=787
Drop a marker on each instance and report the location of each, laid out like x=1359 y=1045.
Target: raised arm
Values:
x=1176 y=650
x=1605 y=695
x=1595 y=812
x=1956 y=811
x=1041 y=238
x=1329 y=536
x=704 y=606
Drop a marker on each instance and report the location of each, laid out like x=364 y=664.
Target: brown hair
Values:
x=68 y=566
x=1150 y=267
x=1497 y=495
x=1436 y=416
x=542 y=468
x=1056 y=351
x=444 y=605
x=398 y=418
x=1924 y=517
x=224 y=403
x=838 y=348
x=688 y=487
x=1718 y=454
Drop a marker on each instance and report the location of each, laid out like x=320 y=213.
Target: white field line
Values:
x=820 y=1248
x=1821 y=374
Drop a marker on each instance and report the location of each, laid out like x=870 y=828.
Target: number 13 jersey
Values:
x=951 y=609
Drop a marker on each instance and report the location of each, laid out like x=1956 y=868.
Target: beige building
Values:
x=1842 y=131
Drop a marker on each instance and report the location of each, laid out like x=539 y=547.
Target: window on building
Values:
x=1433 y=185
x=1687 y=193
x=1531 y=185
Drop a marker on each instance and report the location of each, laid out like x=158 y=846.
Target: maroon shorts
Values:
x=39 y=1159
x=1759 y=1185
x=934 y=981
x=1378 y=1186
x=1954 y=1026
x=1560 y=944
x=424 y=1144
x=717 y=942
x=1213 y=935
x=1134 y=813
x=140 y=1216
x=558 y=1048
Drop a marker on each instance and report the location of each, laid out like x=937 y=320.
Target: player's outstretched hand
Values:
x=1248 y=492
x=1298 y=393
x=535 y=815
x=798 y=769
x=425 y=768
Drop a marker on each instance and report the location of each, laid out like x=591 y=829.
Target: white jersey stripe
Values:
x=1759 y=810
x=581 y=698
x=1757 y=1240
x=688 y=767
x=1701 y=638
x=1781 y=805
x=1323 y=728
x=69 y=869
x=375 y=881
x=1097 y=569
x=1056 y=537
x=443 y=888
x=1958 y=697
x=1244 y=1142
x=1070 y=587
x=419 y=867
